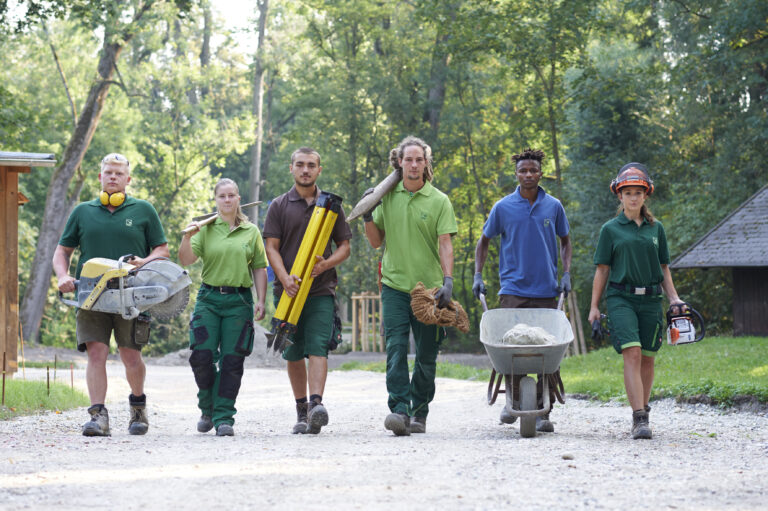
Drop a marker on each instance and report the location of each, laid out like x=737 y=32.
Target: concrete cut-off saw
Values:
x=160 y=287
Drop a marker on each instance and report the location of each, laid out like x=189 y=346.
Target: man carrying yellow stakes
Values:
x=284 y=227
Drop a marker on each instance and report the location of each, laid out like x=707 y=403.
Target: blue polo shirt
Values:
x=529 y=248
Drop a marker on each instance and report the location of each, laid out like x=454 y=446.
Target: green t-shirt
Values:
x=412 y=223
x=133 y=228
x=229 y=256
x=634 y=253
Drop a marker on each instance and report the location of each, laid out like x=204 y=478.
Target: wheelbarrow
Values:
x=511 y=360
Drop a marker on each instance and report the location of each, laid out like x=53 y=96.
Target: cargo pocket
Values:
x=197 y=334
x=141 y=329
x=244 y=345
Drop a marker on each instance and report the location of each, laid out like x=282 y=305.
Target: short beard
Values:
x=310 y=185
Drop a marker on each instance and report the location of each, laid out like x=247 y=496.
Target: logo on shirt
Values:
x=655 y=241
x=128 y=222
x=547 y=221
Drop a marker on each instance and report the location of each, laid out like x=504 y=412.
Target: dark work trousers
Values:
x=409 y=395
x=220 y=337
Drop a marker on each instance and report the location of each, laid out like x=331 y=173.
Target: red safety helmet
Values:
x=633 y=174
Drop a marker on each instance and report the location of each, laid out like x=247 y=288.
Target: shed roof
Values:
x=26 y=159
x=739 y=240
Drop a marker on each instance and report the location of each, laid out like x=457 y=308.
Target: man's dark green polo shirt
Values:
x=133 y=228
x=634 y=253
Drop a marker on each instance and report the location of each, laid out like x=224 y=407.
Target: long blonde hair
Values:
x=240 y=217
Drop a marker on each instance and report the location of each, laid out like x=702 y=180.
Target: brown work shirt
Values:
x=287 y=219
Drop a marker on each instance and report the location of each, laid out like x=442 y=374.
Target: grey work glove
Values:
x=443 y=295
x=368 y=215
x=478 y=286
x=565 y=283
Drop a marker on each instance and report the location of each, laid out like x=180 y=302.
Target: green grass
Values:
x=718 y=367
x=31 y=397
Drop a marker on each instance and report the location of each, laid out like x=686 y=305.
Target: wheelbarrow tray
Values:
x=525 y=359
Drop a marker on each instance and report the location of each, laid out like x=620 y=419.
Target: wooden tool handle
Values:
x=200 y=224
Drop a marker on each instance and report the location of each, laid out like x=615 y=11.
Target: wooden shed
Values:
x=11 y=164
x=739 y=242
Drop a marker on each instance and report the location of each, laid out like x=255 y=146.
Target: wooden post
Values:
x=579 y=325
x=23 y=360
x=9 y=262
x=354 y=322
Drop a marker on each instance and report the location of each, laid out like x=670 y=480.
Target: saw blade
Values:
x=172 y=307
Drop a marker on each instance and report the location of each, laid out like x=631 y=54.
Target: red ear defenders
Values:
x=633 y=174
x=112 y=199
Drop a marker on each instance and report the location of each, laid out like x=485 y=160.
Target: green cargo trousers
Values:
x=410 y=396
x=220 y=337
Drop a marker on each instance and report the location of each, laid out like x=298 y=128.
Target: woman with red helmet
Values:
x=632 y=258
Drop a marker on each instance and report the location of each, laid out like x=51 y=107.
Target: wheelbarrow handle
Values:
x=483 y=302
x=561 y=301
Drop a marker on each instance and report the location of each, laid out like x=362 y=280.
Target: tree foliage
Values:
x=680 y=86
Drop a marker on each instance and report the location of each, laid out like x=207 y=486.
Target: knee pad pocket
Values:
x=202 y=367
x=231 y=376
x=244 y=344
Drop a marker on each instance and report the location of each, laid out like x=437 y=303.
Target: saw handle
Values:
x=71 y=303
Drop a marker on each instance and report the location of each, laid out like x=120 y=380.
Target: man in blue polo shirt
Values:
x=529 y=221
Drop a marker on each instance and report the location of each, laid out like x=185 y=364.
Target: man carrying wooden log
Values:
x=417 y=222
x=530 y=221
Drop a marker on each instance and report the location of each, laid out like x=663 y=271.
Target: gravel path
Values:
x=700 y=458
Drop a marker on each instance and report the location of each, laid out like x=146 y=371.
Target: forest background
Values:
x=681 y=85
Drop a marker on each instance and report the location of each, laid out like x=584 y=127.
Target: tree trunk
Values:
x=258 y=107
x=57 y=203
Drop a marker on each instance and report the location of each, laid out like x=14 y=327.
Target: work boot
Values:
x=418 y=424
x=225 y=429
x=640 y=427
x=139 y=423
x=506 y=417
x=205 y=424
x=317 y=417
x=99 y=423
x=398 y=423
x=301 y=419
x=543 y=424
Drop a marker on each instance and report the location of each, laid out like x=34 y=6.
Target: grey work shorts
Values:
x=93 y=326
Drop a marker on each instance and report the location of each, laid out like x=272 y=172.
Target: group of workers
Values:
x=415 y=223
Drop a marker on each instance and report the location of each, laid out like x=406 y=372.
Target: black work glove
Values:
x=443 y=295
x=478 y=286
x=368 y=215
x=599 y=332
x=565 y=283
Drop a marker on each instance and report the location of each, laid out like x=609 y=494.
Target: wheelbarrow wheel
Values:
x=527 y=403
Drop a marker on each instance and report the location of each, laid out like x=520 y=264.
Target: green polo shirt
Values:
x=412 y=223
x=634 y=253
x=229 y=256
x=133 y=228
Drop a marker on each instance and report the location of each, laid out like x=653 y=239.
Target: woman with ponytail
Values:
x=221 y=330
x=633 y=259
